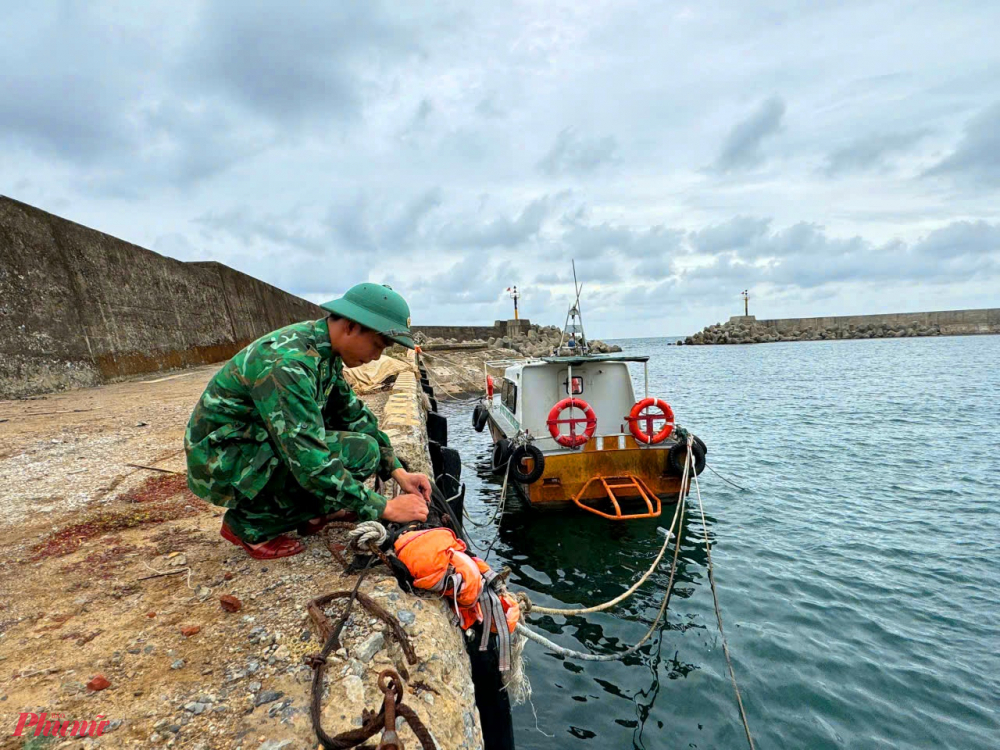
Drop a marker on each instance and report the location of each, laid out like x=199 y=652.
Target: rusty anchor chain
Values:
x=389 y=681
x=393 y=689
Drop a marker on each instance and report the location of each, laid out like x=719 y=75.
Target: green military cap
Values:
x=377 y=307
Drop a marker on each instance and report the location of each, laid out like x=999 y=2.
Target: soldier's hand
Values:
x=418 y=484
x=403 y=508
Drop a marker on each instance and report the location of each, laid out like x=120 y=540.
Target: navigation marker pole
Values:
x=514 y=295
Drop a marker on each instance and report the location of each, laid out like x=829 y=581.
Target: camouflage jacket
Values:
x=273 y=403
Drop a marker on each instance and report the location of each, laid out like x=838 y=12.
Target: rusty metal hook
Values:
x=395 y=684
x=391 y=685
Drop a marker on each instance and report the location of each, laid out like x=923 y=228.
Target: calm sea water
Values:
x=858 y=575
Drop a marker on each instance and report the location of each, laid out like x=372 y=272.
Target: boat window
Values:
x=577 y=385
x=510 y=396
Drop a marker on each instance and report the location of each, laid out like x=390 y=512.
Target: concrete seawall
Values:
x=499 y=329
x=951 y=322
x=746 y=329
x=79 y=308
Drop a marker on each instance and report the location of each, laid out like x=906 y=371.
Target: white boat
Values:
x=570 y=431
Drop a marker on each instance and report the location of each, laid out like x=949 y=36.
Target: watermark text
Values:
x=55 y=726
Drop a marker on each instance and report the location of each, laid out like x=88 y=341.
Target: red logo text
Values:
x=54 y=726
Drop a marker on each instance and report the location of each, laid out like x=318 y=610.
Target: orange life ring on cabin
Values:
x=573 y=440
x=489 y=386
x=636 y=416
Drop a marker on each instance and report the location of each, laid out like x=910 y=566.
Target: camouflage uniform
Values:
x=279 y=437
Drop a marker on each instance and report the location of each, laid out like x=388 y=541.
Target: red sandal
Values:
x=280 y=546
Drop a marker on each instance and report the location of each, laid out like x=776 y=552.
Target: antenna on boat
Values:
x=574 y=340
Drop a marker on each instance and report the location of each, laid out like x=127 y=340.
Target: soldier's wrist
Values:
x=377 y=503
x=386 y=472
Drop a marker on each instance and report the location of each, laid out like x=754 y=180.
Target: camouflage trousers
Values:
x=283 y=504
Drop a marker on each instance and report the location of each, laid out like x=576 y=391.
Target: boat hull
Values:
x=567 y=476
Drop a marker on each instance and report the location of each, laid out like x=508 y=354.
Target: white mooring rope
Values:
x=718 y=613
x=622 y=597
x=679 y=514
x=367 y=532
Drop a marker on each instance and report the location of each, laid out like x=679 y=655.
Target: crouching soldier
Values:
x=280 y=439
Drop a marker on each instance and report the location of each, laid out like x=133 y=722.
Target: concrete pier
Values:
x=746 y=329
x=949 y=322
x=95 y=503
x=117 y=570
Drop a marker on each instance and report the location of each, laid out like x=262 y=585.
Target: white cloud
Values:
x=455 y=150
x=976 y=158
x=575 y=154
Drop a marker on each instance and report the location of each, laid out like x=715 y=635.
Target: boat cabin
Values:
x=613 y=452
x=527 y=390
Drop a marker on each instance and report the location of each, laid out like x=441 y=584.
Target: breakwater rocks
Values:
x=739 y=331
x=538 y=341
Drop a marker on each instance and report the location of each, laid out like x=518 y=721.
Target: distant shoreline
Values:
x=746 y=329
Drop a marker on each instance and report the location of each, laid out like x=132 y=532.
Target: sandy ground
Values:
x=85 y=533
x=65 y=451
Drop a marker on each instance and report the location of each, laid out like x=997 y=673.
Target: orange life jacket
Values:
x=438 y=562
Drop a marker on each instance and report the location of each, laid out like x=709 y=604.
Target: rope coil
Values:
x=367 y=533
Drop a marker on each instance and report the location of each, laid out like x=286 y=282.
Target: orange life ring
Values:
x=489 y=386
x=573 y=440
x=636 y=416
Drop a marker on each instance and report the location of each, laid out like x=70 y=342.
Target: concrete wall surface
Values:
x=79 y=307
x=986 y=320
x=499 y=329
x=459 y=333
x=255 y=307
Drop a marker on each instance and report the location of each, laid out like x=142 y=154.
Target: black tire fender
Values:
x=501 y=455
x=479 y=417
x=520 y=453
x=699 y=441
x=678 y=455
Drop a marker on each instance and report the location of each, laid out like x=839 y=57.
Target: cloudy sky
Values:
x=832 y=157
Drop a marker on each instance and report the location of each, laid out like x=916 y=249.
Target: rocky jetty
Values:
x=751 y=332
x=539 y=341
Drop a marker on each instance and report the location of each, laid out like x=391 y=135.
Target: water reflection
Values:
x=573 y=559
x=579 y=558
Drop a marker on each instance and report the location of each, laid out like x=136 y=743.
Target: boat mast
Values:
x=573 y=328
